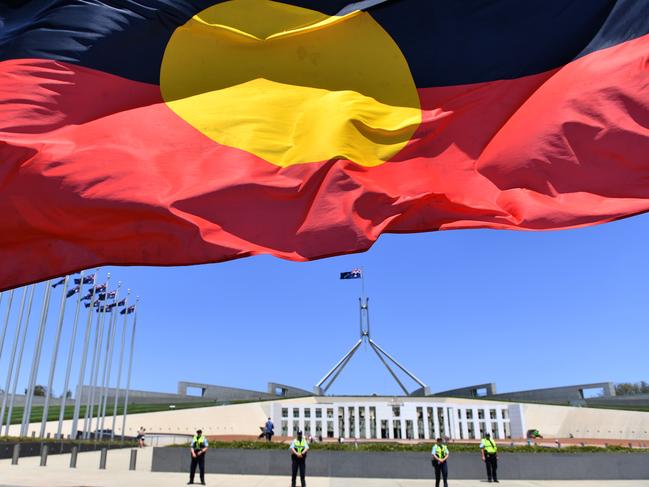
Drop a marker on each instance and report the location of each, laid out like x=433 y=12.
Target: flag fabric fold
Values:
x=141 y=133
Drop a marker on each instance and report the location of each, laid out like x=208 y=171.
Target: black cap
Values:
x=199 y=431
x=299 y=432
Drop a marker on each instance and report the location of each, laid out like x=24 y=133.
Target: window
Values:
x=440 y=421
x=362 y=432
x=318 y=412
x=296 y=413
x=421 y=434
x=341 y=422
x=480 y=413
x=352 y=421
x=410 y=433
x=505 y=414
x=372 y=422
x=296 y=427
x=492 y=414
x=396 y=411
x=307 y=429
x=330 y=413
x=284 y=412
x=431 y=424
x=469 y=414
x=307 y=412
x=396 y=429
x=318 y=428
x=285 y=427
x=330 y=429
x=471 y=430
x=384 y=429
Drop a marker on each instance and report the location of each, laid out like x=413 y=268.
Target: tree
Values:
x=629 y=389
x=40 y=390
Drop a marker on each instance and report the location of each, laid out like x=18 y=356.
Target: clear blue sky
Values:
x=524 y=310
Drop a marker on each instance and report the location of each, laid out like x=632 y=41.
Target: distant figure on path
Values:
x=489 y=452
x=440 y=456
x=270 y=430
x=140 y=437
x=198 y=448
x=299 y=448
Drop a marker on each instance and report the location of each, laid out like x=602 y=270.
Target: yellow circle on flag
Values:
x=291 y=85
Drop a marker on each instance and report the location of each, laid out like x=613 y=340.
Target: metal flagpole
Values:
x=21 y=350
x=94 y=371
x=119 y=368
x=55 y=353
x=130 y=369
x=86 y=416
x=68 y=368
x=27 y=410
x=99 y=340
x=84 y=358
x=10 y=367
x=108 y=363
x=4 y=328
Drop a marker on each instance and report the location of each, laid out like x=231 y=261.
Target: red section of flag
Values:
x=97 y=170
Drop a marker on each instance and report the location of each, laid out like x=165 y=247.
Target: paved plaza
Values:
x=87 y=474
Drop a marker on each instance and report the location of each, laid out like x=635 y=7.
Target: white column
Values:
x=501 y=427
x=447 y=423
x=424 y=412
x=357 y=421
x=335 y=420
x=346 y=421
x=436 y=423
x=463 y=423
x=476 y=423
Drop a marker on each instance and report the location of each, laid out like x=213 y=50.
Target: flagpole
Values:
x=68 y=368
x=130 y=369
x=94 y=386
x=10 y=365
x=27 y=410
x=21 y=350
x=108 y=364
x=55 y=353
x=4 y=328
x=84 y=358
x=95 y=365
x=119 y=368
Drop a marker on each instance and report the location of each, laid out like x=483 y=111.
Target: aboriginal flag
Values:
x=170 y=132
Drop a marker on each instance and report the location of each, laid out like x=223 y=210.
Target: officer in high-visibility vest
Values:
x=440 y=456
x=299 y=448
x=489 y=452
x=198 y=448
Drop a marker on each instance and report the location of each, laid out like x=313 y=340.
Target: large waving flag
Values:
x=189 y=131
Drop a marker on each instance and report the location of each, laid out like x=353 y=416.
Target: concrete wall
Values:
x=223 y=393
x=469 y=391
x=562 y=421
x=557 y=395
x=415 y=465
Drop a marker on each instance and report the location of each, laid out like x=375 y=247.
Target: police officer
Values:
x=198 y=448
x=299 y=448
x=440 y=455
x=489 y=452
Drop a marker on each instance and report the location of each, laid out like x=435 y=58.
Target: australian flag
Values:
x=353 y=274
x=128 y=311
x=101 y=288
x=121 y=302
x=59 y=282
x=85 y=280
x=94 y=304
x=73 y=291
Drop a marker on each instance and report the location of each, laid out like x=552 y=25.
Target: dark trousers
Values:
x=301 y=464
x=491 y=462
x=441 y=471
x=200 y=461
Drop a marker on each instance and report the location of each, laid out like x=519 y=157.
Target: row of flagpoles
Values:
x=106 y=308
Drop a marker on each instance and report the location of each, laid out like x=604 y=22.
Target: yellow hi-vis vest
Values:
x=299 y=445
x=198 y=442
x=489 y=445
x=440 y=451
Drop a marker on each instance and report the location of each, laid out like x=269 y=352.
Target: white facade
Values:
x=416 y=420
